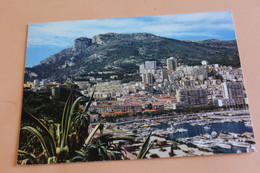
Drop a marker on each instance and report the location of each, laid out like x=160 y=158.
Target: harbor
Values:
x=192 y=134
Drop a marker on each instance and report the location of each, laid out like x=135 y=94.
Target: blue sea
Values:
x=197 y=130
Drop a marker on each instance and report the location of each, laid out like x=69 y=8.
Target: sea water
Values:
x=198 y=130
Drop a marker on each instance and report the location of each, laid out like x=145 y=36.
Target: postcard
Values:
x=133 y=88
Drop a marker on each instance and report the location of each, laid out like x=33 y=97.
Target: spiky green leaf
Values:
x=89 y=102
x=68 y=123
x=51 y=141
x=145 y=148
x=40 y=138
x=26 y=153
x=90 y=136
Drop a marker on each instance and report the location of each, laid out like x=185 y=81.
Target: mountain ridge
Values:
x=123 y=52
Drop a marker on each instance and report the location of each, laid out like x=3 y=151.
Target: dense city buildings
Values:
x=164 y=88
x=192 y=108
x=128 y=95
x=234 y=91
x=194 y=97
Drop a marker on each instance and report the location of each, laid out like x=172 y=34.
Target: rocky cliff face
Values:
x=81 y=44
x=123 y=52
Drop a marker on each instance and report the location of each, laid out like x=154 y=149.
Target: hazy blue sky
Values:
x=45 y=39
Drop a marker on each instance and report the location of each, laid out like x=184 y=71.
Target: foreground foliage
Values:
x=46 y=141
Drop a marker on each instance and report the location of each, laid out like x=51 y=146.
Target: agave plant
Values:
x=43 y=135
x=81 y=156
x=80 y=123
x=108 y=150
x=26 y=158
x=54 y=140
x=83 y=153
x=59 y=142
x=102 y=147
x=145 y=148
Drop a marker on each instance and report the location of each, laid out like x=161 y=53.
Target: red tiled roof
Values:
x=167 y=99
x=149 y=110
x=116 y=113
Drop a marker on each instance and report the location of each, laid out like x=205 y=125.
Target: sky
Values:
x=46 y=39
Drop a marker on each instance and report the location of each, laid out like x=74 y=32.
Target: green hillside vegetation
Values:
x=122 y=53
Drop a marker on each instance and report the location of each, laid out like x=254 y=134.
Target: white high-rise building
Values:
x=147 y=67
x=36 y=82
x=150 y=65
x=172 y=63
x=143 y=75
x=234 y=91
x=43 y=82
x=192 y=97
x=147 y=78
x=164 y=74
x=142 y=68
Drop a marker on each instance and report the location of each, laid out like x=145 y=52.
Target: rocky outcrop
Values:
x=121 y=53
x=104 y=38
x=81 y=44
